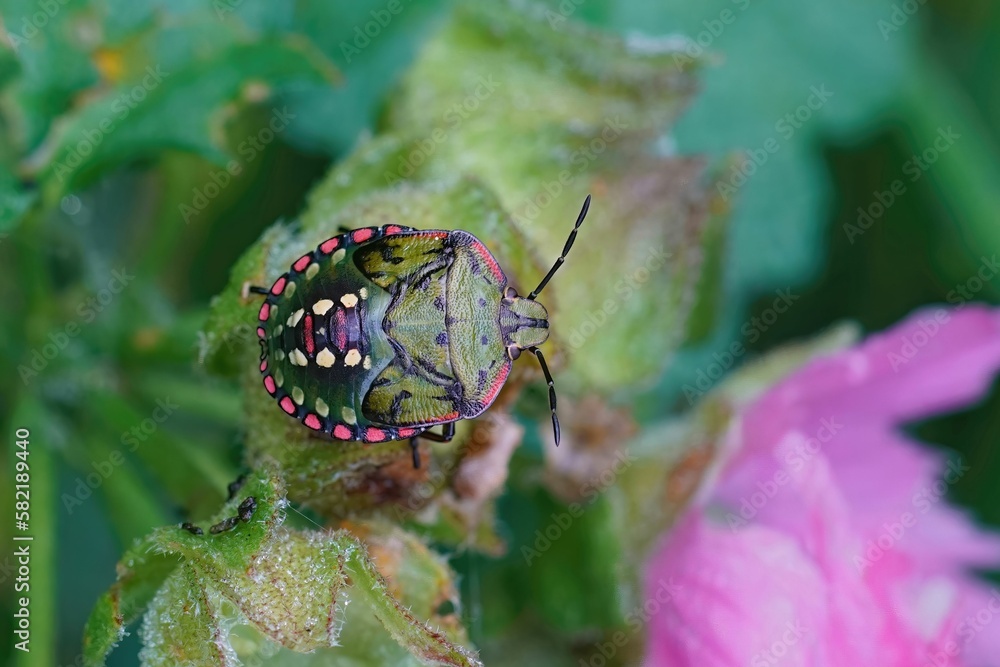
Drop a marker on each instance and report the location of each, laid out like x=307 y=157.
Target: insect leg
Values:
x=448 y=432
x=249 y=289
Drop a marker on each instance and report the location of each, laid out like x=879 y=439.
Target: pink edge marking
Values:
x=261 y=333
x=269 y=385
x=393 y=229
x=265 y=310
x=406 y=432
x=497 y=386
x=373 y=434
x=363 y=234
x=279 y=286
x=312 y=421
x=487 y=257
x=341 y=432
x=329 y=245
x=307 y=334
x=302 y=262
x=287 y=405
x=263 y=365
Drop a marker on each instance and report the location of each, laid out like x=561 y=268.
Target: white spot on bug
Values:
x=367 y=364
x=363 y=292
x=349 y=415
x=325 y=358
x=338 y=256
x=312 y=271
x=322 y=409
x=298 y=396
x=321 y=306
x=289 y=289
x=294 y=318
x=279 y=355
x=297 y=358
x=279 y=377
x=349 y=300
x=352 y=358
x=278 y=329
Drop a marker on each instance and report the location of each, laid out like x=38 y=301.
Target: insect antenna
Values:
x=254 y=289
x=562 y=257
x=552 y=389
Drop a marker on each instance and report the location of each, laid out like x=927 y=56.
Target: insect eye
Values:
x=513 y=351
x=510 y=293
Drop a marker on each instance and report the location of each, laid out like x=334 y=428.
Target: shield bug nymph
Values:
x=381 y=333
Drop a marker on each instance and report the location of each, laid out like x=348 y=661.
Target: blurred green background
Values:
x=898 y=75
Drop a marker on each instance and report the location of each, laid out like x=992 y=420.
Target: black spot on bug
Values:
x=483 y=377
x=397 y=404
x=191 y=528
x=439 y=303
x=482 y=302
x=442 y=338
x=484 y=340
x=224 y=525
x=246 y=509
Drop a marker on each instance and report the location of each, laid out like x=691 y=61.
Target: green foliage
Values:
x=292 y=587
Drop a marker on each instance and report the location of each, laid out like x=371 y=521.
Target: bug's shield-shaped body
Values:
x=383 y=332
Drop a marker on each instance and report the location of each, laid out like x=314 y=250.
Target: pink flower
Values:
x=825 y=539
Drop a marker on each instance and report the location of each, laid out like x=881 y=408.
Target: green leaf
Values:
x=292 y=587
x=184 y=625
x=141 y=572
x=184 y=108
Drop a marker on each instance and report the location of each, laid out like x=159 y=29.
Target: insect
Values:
x=381 y=333
x=191 y=528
